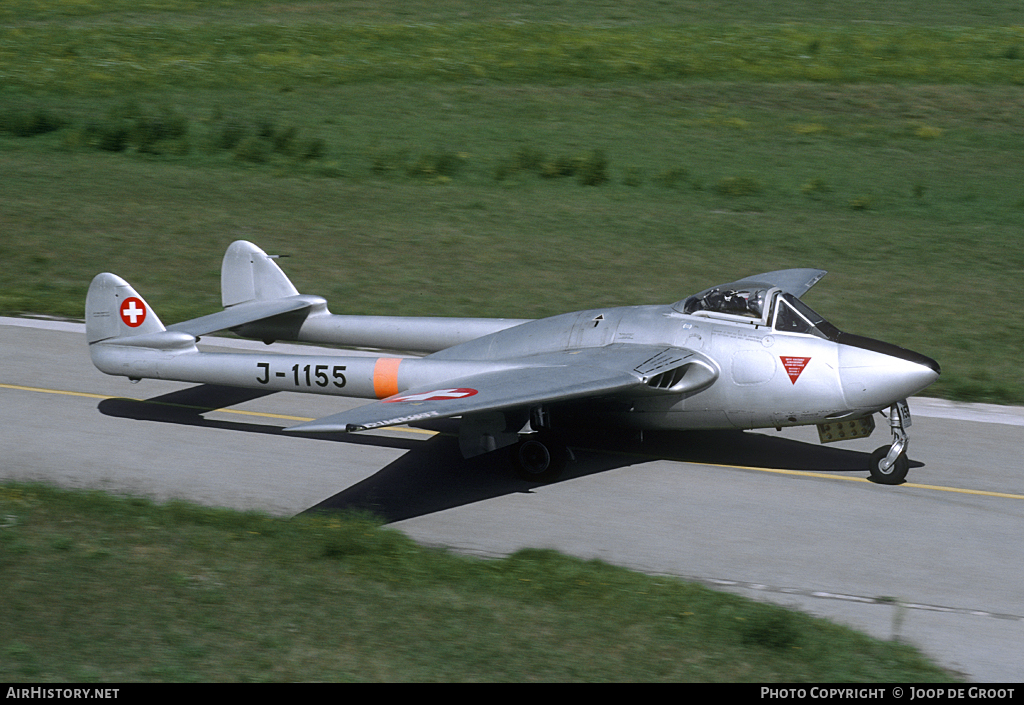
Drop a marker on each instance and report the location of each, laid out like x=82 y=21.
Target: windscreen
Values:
x=794 y=316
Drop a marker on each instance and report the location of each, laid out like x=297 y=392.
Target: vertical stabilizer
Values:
x=113 y=309
x=250 y=274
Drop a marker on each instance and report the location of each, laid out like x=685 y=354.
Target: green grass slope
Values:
x=102 y=588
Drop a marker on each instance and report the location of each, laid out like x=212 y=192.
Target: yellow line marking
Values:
x=407 y=429
x=829 y=476
x=54 y=391
x=984 y=493
x=822 y=475
x=242 y=412
x=781 y=471
x=264 y=414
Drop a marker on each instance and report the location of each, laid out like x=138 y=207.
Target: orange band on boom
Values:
x=385 y=376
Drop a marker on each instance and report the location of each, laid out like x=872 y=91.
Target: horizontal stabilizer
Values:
x=241 y=314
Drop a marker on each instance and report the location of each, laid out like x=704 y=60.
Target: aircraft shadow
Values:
x=181 y=405
x=433 y=476
x=187 y=406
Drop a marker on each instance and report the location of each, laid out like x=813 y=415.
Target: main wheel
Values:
x=894 y=475
x=539 y=459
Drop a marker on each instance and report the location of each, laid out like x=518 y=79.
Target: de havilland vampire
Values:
x=744 y=355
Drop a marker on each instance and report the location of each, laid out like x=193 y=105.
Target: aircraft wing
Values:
x=240 y=314
x=492 y=391
x=565 y=376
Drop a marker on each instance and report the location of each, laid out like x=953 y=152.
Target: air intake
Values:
x=669 y=379
x=677 y=371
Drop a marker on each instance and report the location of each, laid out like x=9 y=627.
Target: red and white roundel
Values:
x=436 y=395
x=133 y=311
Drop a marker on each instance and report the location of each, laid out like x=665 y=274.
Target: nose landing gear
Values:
x=889 y=465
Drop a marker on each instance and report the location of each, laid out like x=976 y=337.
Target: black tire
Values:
x=894 y=475
x=539 y=459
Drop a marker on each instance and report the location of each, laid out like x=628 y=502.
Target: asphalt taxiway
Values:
x=776 y=516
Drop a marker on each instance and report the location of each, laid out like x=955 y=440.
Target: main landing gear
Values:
x=889 y=464
x=541 y=454
x=540 y=457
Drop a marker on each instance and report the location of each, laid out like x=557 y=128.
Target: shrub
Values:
x=503 y=170
x=434 y=164
x=284 y=140
x=634 y=177
x=528 y=159
x=112 y=136
x=523 y=159
x=150 y=130
x=672 y=178
x=265 y=129
x=30 y=123
x=313 y=148
x=593 y=170
x=737 y=186
x=255 y=150
x=388 y=162
x=229 y=134
x=561 y=166
x=815 y=187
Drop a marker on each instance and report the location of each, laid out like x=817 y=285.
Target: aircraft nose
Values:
x=875 y=374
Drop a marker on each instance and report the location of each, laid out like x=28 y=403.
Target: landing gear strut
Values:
x=889 y=465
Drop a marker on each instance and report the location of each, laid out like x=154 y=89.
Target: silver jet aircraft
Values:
x=744 y=355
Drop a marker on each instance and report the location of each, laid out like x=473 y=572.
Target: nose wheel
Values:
x=889 y=464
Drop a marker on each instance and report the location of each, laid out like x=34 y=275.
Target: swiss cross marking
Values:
x=133 y=312
x=794 y=366
x=436 y=395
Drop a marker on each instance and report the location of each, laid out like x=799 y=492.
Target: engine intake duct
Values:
x=669 y=379
x=678 y=371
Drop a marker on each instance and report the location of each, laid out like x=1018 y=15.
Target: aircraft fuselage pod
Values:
x=744 y=355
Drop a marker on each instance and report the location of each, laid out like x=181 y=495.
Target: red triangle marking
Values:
x=794 y=366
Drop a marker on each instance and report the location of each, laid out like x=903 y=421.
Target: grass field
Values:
x=527 y=159
x=112 y=589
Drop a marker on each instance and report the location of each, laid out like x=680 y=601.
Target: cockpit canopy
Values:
x=759 y=305
x=747 y=301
